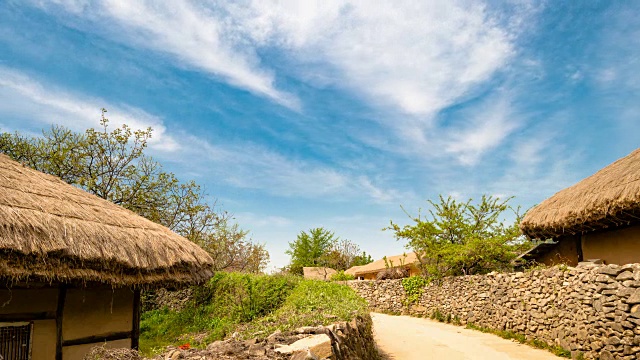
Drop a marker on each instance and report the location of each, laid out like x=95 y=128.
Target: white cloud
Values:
x=417 y=56
x=27 y=98
x=252 y=166
x=196 y=35
x=242 y=165
x=489 y=126
x=252 y=220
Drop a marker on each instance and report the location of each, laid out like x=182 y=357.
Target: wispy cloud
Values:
x=28 y=98
x=253 y=220
x=488 y=127
x=242 y=165
x=418 y=57
x=252 y=166
x=408 y=59
x=415 y=55
x=195 y=34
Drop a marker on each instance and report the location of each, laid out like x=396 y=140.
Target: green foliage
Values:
x=254 y=305
x=321 y=247
x=438 y=315
x=216 y=308
x=311 y=303
x=112 y=164
x=362 y=259
x=342 y=276
x=414 y=287
x=310 y=249
x=462 y=237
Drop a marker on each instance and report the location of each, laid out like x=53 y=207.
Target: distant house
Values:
x=370 y=271
x=352 y=270
x=318 y=273
x=72 y=266
x=597 y=218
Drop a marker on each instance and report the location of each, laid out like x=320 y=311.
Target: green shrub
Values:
x=311 y=303
x=215 y=309
x=414 y=287
x=342 y=276
x=254 y=305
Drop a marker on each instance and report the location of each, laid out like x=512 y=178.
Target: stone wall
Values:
x=593 y=310
x=344 y=340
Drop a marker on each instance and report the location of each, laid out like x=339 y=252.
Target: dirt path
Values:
x=409 y=338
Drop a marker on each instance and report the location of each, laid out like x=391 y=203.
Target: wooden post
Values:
x=62 y=295
x=135 y=332
x=579 y=247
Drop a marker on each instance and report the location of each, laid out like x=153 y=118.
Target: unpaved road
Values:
x=409 y=338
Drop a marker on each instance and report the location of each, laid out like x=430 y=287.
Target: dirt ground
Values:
x=409 y=338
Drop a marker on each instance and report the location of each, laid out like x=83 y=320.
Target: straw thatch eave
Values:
x=404 y=260
x=51 y=231
x=608 y=198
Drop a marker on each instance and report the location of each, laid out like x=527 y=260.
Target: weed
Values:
x=511 y=335
x=414 y=287
x=253 y=305
x=215 y=309
x=437 y=315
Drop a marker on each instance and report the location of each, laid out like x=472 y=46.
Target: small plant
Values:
x=414 y=287
x=342 y=276
x=511 y=335
x=437 y=315
x=563 y=267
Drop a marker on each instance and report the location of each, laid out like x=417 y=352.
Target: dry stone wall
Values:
x=593 y=310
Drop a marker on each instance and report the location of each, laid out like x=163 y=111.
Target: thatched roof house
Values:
x=599 y=217
x=67 y=254
x=318 y=273
x=370 y=271
x=352 y=270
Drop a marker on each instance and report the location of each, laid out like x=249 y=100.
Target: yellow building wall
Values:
x=20 y=301
x=618 y=246
x=23 y=301
x=44 y=340
x=566 y=252
x=87 y=312
x=414 y=271
x=97 y=311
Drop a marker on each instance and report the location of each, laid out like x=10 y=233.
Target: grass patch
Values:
x=310 y=303
x=214 y=310
x=254 y=305
x=510 y=335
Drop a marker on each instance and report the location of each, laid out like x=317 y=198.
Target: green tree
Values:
x=462 y=237
x=112 y=164
x=310 y=249
x=361 y=259
x=320 y=247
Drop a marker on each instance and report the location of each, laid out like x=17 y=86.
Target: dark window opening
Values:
x=15 y=341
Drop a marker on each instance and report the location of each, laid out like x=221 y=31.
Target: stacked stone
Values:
x=591 y=309
x=387 y=296
x=343 y=340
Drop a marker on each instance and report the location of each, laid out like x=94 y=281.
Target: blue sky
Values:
x=335 y=113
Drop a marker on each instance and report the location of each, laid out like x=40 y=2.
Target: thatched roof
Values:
x=393 y=261
x=54 y=232
x=352 y=270
x=317 y=272
x=610 y=197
